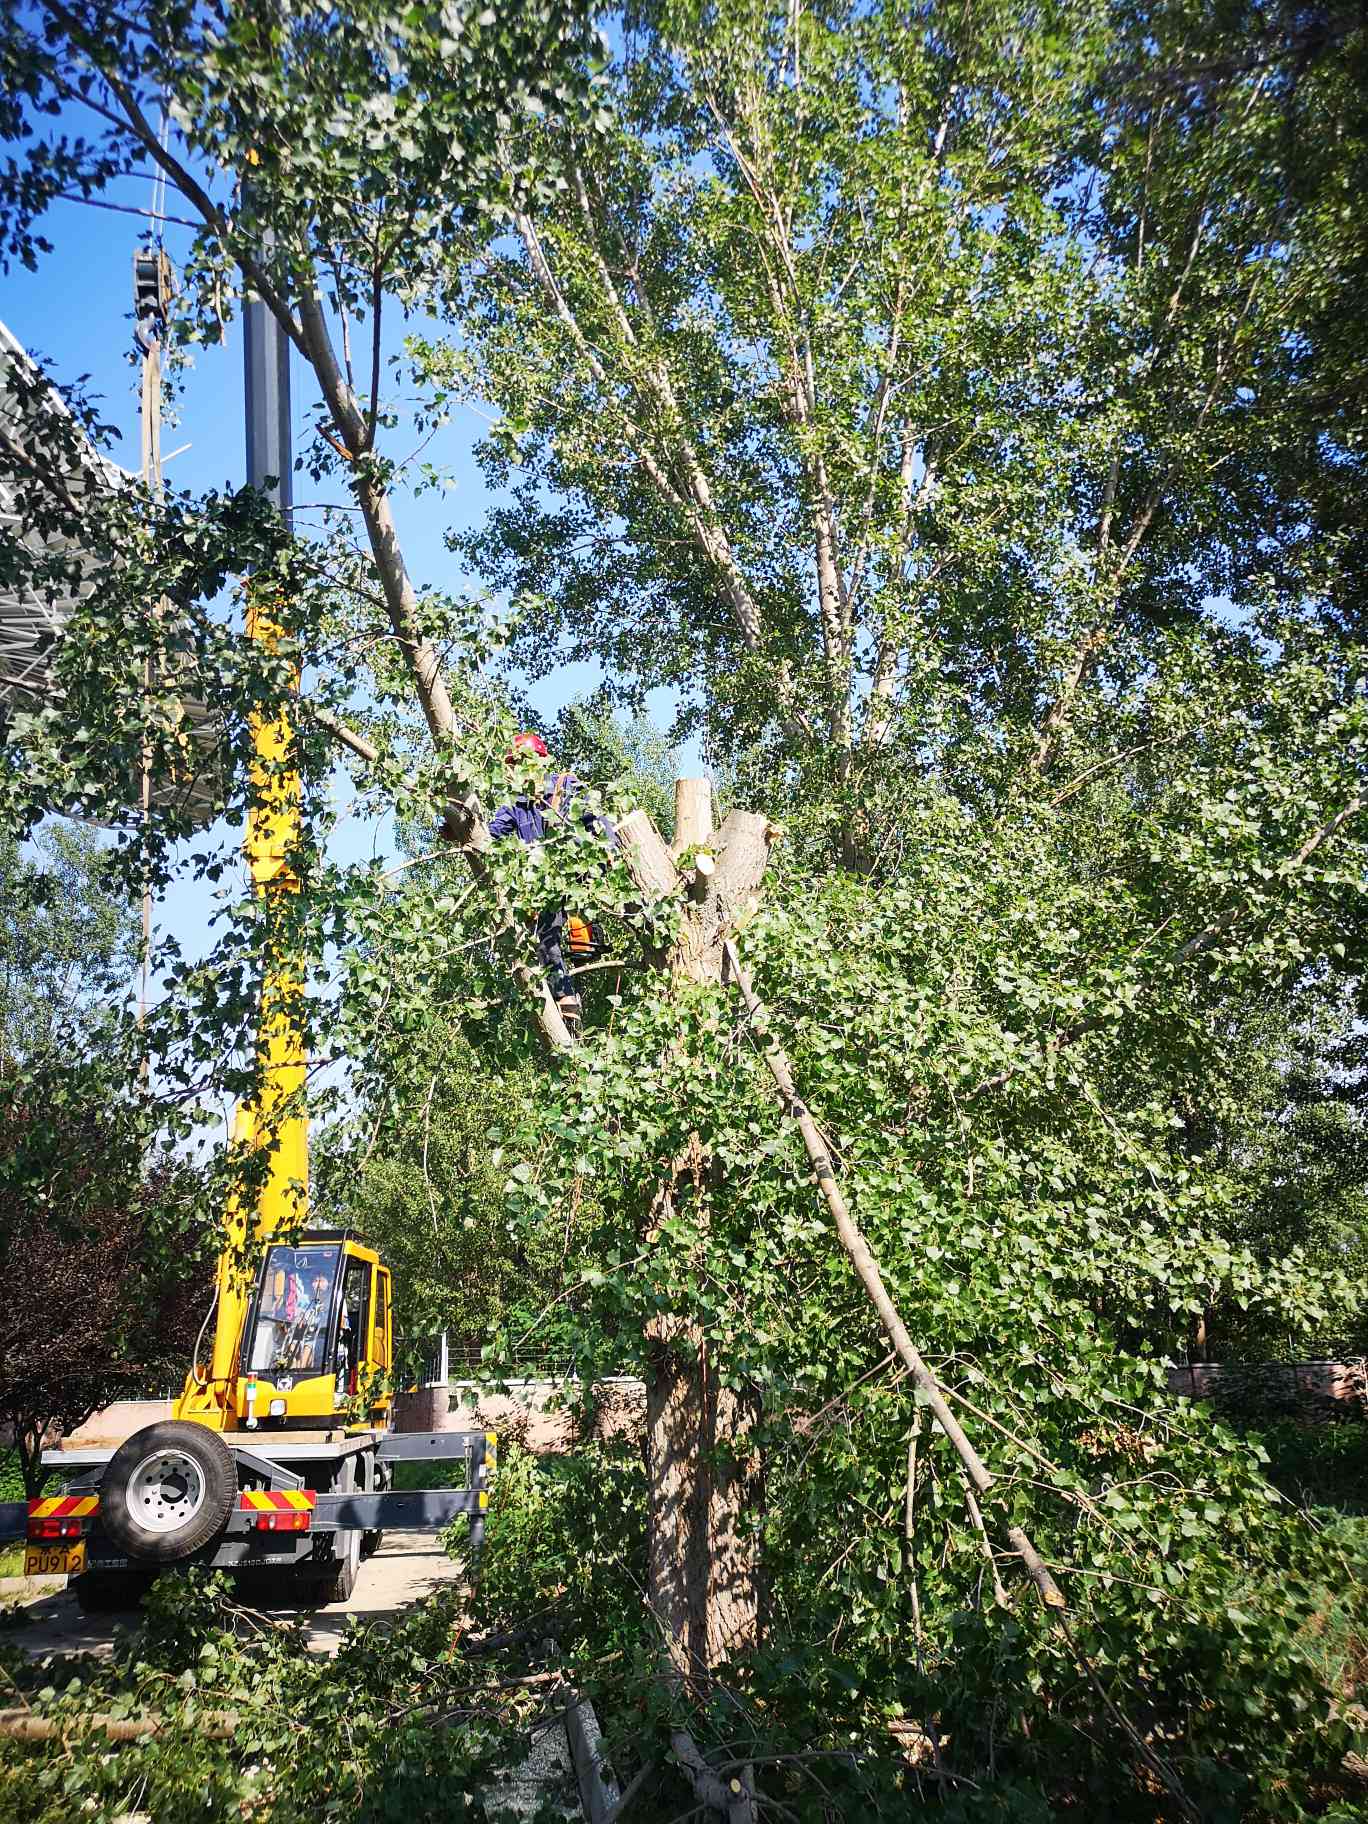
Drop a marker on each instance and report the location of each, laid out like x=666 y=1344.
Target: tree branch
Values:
x=99 y=202
x=377 y=302
x=134 y=121
x=697 y=507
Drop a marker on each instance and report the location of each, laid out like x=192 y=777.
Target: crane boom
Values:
x=275 y=1124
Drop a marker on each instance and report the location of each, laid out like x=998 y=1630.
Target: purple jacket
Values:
x=527 y=818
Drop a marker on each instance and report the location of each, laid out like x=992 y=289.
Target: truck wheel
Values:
x=340 y=1579
x=338 y=1585
x=169 y=1490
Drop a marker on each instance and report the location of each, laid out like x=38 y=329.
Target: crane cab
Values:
x=317 y=1342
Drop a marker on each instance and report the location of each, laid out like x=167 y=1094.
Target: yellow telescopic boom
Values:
x=275 y=1124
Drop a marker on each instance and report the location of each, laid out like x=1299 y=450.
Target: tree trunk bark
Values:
x=677 y=1568
x=704 y=1494
x=704 y=1478
x=733 y=1496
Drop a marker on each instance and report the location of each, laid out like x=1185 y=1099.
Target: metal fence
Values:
x=433 y=1361
x=421 y=1361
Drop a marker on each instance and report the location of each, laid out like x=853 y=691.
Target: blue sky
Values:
x=75 y=311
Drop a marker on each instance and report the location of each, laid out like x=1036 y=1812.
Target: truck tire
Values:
x=168 y=1491
x=339 y=1580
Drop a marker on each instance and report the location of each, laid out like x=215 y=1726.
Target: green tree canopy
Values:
x=890 y=387
x=942 y=405
x=68 y=940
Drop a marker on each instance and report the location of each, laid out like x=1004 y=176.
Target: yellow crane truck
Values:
x=279 y=1451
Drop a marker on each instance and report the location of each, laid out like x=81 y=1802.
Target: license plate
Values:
x=55 y=1560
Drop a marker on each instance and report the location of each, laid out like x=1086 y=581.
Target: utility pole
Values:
x=266 y=370
x=153 y=287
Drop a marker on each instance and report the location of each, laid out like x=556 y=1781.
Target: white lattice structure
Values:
x=44 y=439
x=43 y=448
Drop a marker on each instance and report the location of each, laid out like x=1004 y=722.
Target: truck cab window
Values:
x=289 y=1330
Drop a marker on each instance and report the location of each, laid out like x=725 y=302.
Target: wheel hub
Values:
x=166 y=1491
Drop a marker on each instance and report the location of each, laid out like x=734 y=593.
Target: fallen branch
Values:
x=985 y=1547
x=857 y=1247
x=630 y=1792
x=24 y=1726
x=734 y=1798
x=909 y=1528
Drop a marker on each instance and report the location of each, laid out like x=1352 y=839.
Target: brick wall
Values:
x=1328 y=1390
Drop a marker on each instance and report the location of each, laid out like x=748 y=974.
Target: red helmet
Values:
x=525 y=743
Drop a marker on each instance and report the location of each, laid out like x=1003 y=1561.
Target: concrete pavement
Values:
x=408 y=1567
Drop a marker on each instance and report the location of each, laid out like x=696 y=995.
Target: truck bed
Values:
x=280 y=1446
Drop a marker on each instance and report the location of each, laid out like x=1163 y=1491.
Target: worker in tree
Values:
x=545 y=796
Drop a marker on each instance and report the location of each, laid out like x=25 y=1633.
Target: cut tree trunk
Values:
x=648 y=859
x=693 y=814
x=731 y=893
x=716 y=898
x=704 y=1476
